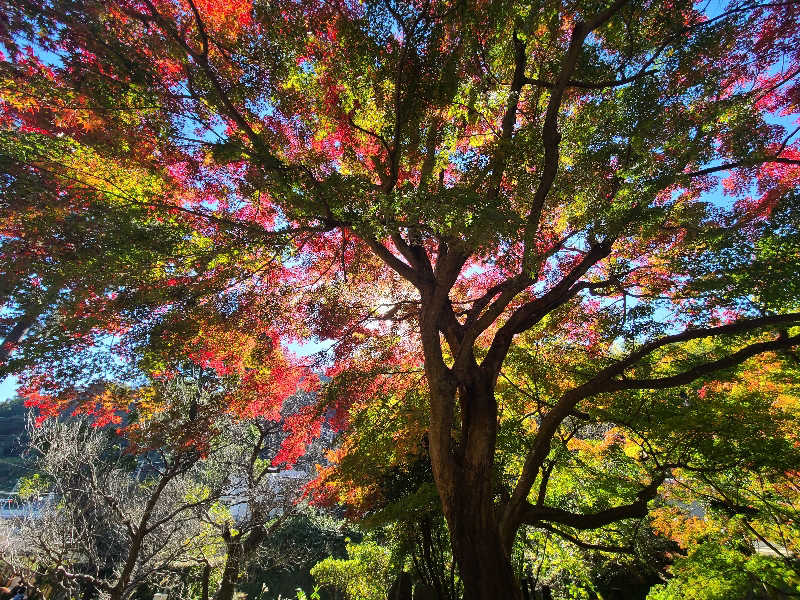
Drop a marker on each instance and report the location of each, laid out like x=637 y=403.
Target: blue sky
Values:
x=7 y=388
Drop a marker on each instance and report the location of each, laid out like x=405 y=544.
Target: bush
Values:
x=713 y=572
x=364 y=575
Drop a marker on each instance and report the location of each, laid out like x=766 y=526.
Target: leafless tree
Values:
x=113 y=520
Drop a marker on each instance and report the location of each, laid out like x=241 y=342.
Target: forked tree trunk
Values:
x=123 y=588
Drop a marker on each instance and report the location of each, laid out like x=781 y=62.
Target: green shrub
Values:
x=362 y=576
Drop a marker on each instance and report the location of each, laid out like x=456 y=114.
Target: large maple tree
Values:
x=438 y=187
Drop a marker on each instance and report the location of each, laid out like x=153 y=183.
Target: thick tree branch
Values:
x=508 y=290
x=452 y=329
x=551 y=138
x=414 y=254
x=437 y=310
x=483 y=301
x=527 y=315
x=533 y=515
x=99 y=583
x=751 y=162
x=201 y=28
x=593 y=85
x=509 y=117
x=402 y=268
x=703 y=369
x=604 y=382
x=602 y=17
x=737 y=327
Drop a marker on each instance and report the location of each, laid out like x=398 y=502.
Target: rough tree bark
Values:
x=464 y=477
x=230 y=574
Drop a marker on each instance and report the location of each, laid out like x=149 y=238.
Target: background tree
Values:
x=75 y=236
x=184 y=487
x=381 y=472
x=115 y=520
x=12 y=439
x=431 y=185
x=257 y=501
x=746 y=526
x=304 y=539
x=93 y=271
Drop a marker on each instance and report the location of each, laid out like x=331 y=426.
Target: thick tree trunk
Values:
x=464 y=478
x=240 y=551
x=483 y=563
x=123 y=587
x=115 y=594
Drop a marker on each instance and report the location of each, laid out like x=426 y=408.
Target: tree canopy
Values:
x=565 y=230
